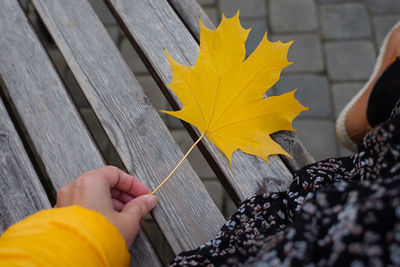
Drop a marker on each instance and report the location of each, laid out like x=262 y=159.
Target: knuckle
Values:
x=90 y=173
x=61 y=193
x=143 y=210
x=110 y=170
x=62 y=190
x=84 y=180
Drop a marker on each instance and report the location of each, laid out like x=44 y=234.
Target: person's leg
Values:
x=384 y=95
x=352 y=123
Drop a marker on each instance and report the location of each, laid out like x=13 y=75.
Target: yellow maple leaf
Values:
x=223 y=94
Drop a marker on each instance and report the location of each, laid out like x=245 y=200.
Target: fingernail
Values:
x=151 y=200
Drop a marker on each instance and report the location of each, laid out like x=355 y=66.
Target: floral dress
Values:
x=343 y=211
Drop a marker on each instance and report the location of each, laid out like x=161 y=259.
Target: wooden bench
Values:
x=34 y=93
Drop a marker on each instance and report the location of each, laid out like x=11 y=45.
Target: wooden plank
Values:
x=164 y=30
x=55 y=127
x=190 y=11
x=295 y=147
x=21 y=193
x=186 y=214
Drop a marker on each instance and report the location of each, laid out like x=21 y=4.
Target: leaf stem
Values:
x=179 y=164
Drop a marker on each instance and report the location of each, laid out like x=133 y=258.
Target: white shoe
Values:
x=341 y=131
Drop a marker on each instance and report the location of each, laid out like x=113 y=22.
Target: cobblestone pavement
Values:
x=334 y=50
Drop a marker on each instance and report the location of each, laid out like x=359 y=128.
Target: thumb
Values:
x=132 y=213
x=140 y=206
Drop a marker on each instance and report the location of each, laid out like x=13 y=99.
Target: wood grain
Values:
x=190 y=12
x=164 y=30
x=55 y=127
x=292 y=144
x=186 y=214
x=21 y=193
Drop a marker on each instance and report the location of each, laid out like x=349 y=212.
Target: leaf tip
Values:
x=288 y=155
x=201 y=22
x=230 y=159
x=167 y=54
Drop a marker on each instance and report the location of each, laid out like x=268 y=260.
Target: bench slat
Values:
x=21 y=193
x=186 y=214
x=164 y=30
x=295 y=147
x=190 y=11
x=55 y=127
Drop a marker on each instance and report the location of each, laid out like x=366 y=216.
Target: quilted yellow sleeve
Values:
x=71 y=236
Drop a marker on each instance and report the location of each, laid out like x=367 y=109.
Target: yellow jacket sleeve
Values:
x=71 y=236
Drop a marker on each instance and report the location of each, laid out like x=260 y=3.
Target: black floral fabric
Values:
x=343 y=211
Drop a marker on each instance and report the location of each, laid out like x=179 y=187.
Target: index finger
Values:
x=122 y=181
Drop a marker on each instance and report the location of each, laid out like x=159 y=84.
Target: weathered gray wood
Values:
x=190 y=11
x=56 y=129
x=21 y=193
x=292 y=144
x=186 y=214
x=164 y=30
x=143 y=254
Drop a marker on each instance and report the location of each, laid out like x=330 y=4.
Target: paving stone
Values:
x=195 y=157
x=345 y=21
x=158 y=241
x=24 y=4
x=172 y=122
x=305 y=52
x=132 y=58
x=248 y=8
x=229 y=207
x=212 y=14
x=75 y=90
x=350 y=61
x=329 y=1
x=293 y=15
x=95 y=128
x=214 y=187
x=343 y=151
x=384 y=6
x=313 y=92
x=114 y=33
x=271 y=91
x=103 y=12
x=258 y=29
x=342 y=93
x=30 y=8
x=152 y=91
x=318 y=137
x=112 y=158
x=58 y=60
x=382 y=25
x=205 y=2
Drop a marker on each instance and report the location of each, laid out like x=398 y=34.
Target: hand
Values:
x=120 y=197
